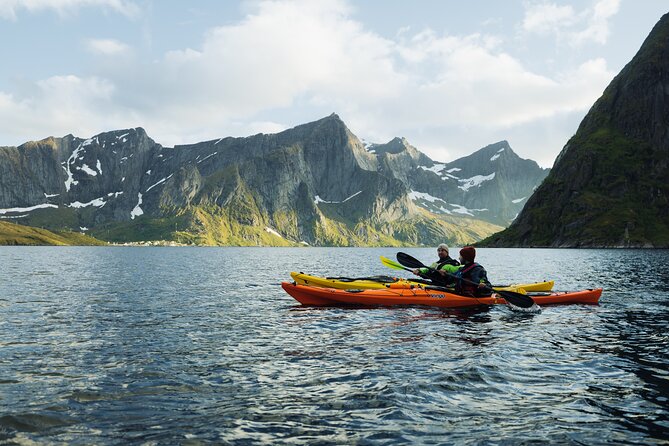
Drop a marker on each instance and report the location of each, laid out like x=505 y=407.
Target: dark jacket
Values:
x=472 y=272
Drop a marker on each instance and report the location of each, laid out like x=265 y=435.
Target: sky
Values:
x=450 y=76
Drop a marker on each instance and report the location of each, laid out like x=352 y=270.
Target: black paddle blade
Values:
x=406 y=260
x=517 y=299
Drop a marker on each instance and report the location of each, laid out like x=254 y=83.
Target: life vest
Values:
x=467 y=288
x=437 y=278
x=448 y=261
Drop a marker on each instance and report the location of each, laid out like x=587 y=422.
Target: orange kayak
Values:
x=327 y=297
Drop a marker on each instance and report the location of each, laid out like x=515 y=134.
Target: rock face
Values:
x=492 y=184
x=608 y=187
x=315 y=184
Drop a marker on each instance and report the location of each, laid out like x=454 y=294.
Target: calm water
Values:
x=202 y=346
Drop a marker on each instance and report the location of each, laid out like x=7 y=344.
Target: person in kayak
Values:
x=444 y=264
x=471 y=271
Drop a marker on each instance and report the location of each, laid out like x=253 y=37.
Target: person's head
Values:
x=467 y=254
x=442 y=251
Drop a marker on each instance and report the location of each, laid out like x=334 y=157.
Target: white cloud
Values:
x=9 y=9
x=476 y=86
x=56 y=104
x=589 y=25
x=109 y=47
x=289 y=55
x=598 y=25
x=548 y=17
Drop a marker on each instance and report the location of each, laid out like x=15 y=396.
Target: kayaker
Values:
x=444 y=264
x=471 y=272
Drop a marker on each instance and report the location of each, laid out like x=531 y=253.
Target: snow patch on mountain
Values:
x=475 y=181
x=464 y=211
x=88 y=170
x=369 y=146
x=413 y=195
x=438 y=205
x=318 y=199
x=159 y=182
x=208 y=156
x=272 y=231
x=28 y=209
x=137 y=211
x=97 y=202
x=70 y=181
x=429 y=202
x=497 y=155
x=437 y=168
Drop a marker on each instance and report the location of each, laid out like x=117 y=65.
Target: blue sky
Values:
x=450 y=76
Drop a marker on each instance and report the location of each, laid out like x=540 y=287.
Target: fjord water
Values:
x=201 y=345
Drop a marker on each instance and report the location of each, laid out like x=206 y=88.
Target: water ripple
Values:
x=199 y=346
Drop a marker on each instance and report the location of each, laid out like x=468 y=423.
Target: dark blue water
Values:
x=202 y=346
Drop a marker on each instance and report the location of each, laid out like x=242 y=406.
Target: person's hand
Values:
x=416 y=271
x=482 y=285
x=442 y=272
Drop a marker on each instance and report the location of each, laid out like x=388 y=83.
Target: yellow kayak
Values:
x=378 y=282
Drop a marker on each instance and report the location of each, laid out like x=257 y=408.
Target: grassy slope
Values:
x=13 y=234
x=215 y=226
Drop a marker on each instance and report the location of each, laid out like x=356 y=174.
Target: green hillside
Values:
x=216 y=226
x=13 y=234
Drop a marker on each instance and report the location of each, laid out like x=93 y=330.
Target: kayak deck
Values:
x=318 y=296
x=382 y=282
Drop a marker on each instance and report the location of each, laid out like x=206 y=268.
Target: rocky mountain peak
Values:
x=394 y=146
x=50 y=143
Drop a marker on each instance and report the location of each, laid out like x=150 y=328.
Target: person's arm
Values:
x=450 y=269
x=422 y=272
x=481 y=277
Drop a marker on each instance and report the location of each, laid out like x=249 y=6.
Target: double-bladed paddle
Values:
x=393 y=264
x=517 y=299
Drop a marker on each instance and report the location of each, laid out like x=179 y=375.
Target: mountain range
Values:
x=315 y=184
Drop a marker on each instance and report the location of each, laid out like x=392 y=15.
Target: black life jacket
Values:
x=440 y=280
x=447 y=261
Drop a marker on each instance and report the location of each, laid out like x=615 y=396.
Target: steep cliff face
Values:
x=71 y=183
x=314 y=184
x=609 y=185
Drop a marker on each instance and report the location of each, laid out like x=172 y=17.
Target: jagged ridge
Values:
x=314 y=184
